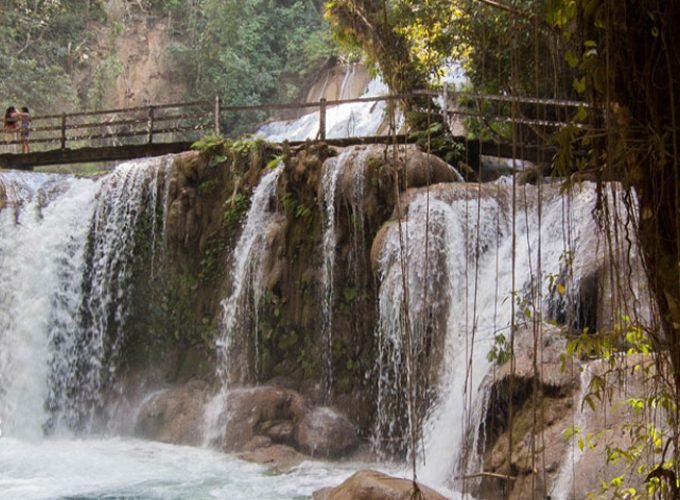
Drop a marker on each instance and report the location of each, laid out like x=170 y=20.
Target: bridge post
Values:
x=218 y=109
x=322 y=119
x=149 y=125
x=63 y=131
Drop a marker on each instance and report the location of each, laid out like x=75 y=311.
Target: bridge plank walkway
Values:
x=28 y=161
x=156 y=130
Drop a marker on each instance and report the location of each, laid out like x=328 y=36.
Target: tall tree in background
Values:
x=33 y=53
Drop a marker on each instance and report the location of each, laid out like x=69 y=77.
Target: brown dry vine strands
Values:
x=627 y=52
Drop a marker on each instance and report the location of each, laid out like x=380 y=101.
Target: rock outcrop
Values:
x=264 y=424
x=373 y=485
x=174 y=415
x=542 y=454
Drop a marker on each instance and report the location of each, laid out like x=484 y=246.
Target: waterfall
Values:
x=346 y=82
x=129 y=213
x=357 y=119
x=465 y=273
x=42 y=238
x=246 y=294
x=66 y=258
x=331 y=170
x=350 y=164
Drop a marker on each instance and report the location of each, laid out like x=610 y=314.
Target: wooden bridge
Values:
x=135 y=132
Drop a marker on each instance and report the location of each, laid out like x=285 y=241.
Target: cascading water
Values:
x=350 y=164
x=331 y=170
x=561 y=489
x=240 y=309
x=346 y=81
x=343 y=120
x=85 y=352
x=42 y=240
x=459 y=279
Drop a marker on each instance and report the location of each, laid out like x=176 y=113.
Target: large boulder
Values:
x=373 y=485
x=423 y=169
x=174 y=415
x=323 y=432
x=285 y=417
x=267 y=411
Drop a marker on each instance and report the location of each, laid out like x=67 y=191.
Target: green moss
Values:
x=212 y=258
x=208 y=186
x=234 y=209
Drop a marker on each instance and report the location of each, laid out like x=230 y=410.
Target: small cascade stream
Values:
x=240 y=309
x=562 y=487
x=349 y=164
x=331 y=171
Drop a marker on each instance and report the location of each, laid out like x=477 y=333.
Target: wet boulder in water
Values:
x=376 y=486
x=285 y=417
x=279 y=457
x=267 y=411
x=174 y=416
x=323 y=432
x=423 y=169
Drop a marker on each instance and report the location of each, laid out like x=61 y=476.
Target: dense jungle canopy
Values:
x=60 y=55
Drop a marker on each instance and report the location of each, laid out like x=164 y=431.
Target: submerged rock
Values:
x=279 y=457
x=374 y=485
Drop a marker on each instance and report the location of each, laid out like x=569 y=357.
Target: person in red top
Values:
x=11 y=123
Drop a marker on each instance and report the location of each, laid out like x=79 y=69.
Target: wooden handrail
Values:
x=145 y=120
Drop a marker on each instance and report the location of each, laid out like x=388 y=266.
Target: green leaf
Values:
x=571 y=58
x=581 y=114
x=580 y=85
x=216 y=160
x=275 y=162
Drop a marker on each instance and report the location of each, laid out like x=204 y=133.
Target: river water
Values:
x=124 y=468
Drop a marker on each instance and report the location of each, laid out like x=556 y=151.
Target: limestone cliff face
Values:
x=208 y=197
x=128 y=65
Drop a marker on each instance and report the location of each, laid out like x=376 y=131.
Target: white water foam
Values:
x=41 y=251
x=127 y=468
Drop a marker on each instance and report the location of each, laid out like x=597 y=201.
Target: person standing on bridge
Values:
x=25 y=129
x=11 y=119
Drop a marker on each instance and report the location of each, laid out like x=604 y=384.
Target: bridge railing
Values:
x=187 y=121
x=112 y=127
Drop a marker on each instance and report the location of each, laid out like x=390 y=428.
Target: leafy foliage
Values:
x=245 y=51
